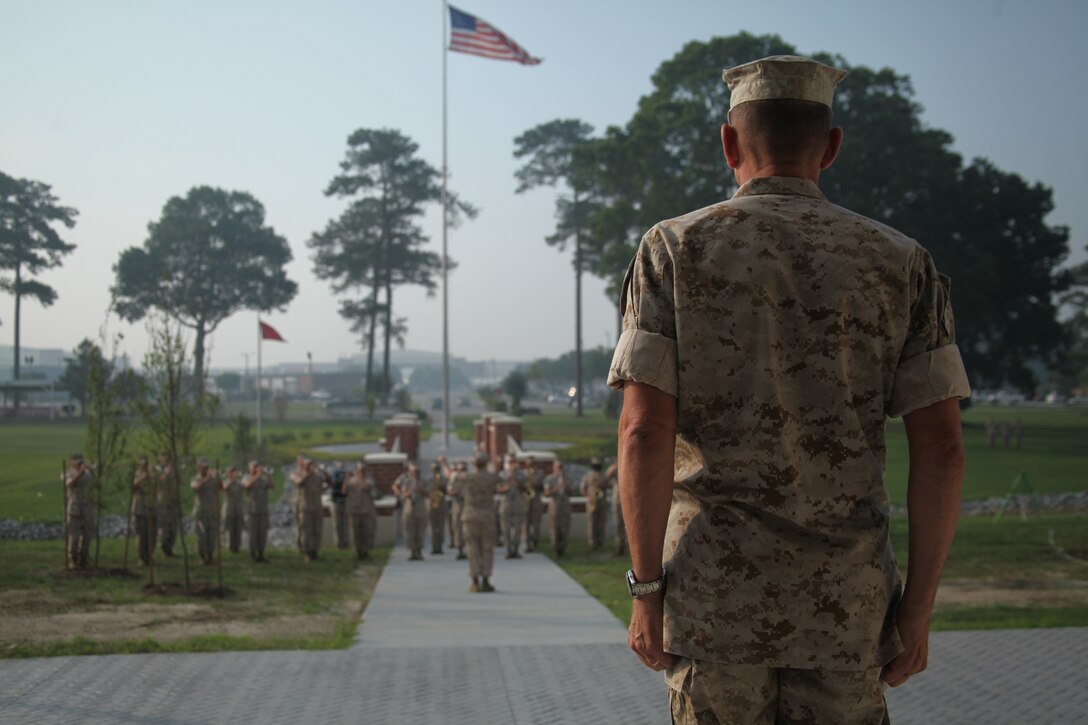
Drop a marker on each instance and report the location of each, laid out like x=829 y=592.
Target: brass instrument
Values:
x=438 y=496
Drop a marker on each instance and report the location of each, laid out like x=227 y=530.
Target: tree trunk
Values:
x=181 y=522
x=18 y=302
x=370 y=339
x=386 y=382
x=198 y=362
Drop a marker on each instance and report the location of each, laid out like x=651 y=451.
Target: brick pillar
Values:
x=499 y=429
x=385 y=467
x=408 y=433
x=486 y=432
x=479 y=437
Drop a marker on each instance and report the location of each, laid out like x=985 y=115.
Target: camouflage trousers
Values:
x=364 y=527
x=340 y=516
x=438 y=529
x=713 y=692
x=233 y=523
x=596 y=523
x=415 y=529
x=621 y=529
x=457 y=534
x=533 y=519
x=479 y=545
x=146 y=526
x=560 y=531
x=310 y=522
x=205 y=527
x=168 y=528
x=513 y=526
x=81 y=530
x=257 y=523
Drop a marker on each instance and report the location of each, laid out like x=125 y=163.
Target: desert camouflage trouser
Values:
x=712 y=692
x=257 y=523
x=233 y=522
x=205 y=526
x=81 y=528
x=438 y=529
x=479 y=545
x=340 y=515
x=364 y=527
x=310 y=523
x=146 y=526
x=168 y=527
x=513 y=526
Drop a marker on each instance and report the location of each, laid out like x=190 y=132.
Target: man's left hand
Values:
x=645 y=633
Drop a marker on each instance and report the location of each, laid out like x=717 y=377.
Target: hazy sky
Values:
x=121 y=105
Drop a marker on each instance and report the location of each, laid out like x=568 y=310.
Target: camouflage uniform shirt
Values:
x=788 y=329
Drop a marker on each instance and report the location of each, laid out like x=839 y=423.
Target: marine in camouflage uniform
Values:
x=512 y=507
x=359 y=488
x=144 y=510
x=233 y=509
x=81 y=512
x=413 y=494
x=309 y=482
x=205 y=486
x=595 y=488
x=766 y=340
x=169 y=508
x=437 y=509
x=340 y=505
x=457 y=505
x=478 y=521
x=534 y=512
x=257 y=485
x=559 y=490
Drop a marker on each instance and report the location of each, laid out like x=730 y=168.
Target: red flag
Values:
x=269 y=333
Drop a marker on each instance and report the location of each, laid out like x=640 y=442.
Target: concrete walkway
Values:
x=427 y=604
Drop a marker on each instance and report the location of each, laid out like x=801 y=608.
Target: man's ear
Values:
x=731 y=145
x=834 y=143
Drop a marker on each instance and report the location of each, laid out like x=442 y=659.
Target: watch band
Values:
x=639 y=589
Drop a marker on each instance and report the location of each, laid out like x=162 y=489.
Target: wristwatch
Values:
x=639 y=589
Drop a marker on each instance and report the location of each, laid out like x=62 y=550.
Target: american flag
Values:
x=469 y=34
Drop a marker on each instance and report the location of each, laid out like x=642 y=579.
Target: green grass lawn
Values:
x=31 y=453
x=286 y=604
x=992 y=562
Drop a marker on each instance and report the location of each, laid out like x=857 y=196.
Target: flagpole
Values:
x=445 y=230
x=260 y=337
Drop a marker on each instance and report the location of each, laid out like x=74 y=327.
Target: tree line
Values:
x=211 y=254
x=985 y=227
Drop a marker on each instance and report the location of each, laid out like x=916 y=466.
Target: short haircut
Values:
x=785 y=129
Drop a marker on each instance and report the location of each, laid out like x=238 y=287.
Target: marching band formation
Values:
x=475 y=511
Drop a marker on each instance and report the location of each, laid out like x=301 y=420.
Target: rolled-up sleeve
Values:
x=647 y=350
x=930 y=367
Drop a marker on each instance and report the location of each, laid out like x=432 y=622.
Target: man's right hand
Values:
x=645 y=635
x=914 y=633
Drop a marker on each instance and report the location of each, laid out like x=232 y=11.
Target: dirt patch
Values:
x=198 y=590
x=161 y=622
x=1012 y=592
x=117 y=573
